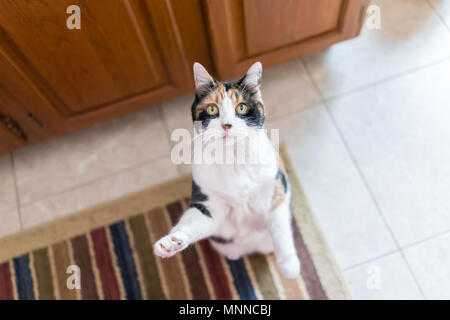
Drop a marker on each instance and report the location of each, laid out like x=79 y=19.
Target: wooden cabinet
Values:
x=127 y=54
x=275 y=31
x=130 y=54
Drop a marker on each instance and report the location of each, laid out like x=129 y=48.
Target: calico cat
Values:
x=242 y=208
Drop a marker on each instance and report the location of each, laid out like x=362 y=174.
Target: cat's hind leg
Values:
x=283 y=240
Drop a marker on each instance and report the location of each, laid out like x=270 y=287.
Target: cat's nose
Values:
x=226 y=126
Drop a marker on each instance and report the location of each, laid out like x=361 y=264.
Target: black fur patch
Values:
x=284 y=181
x=204 y=117
x=197 y=197
x=200 y=207
x=197 y=194
x=221 y=240
x=255 y=116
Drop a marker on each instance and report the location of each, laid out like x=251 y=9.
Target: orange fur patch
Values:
x=280 y=192
x=216 y=96
x=278 y=195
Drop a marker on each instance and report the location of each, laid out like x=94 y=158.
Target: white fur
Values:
x=239 y=200
x=253 y=77
x=201 y=78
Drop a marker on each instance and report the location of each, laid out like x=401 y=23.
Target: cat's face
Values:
x=228 y=109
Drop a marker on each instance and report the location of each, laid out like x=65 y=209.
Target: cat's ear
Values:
x=203 y=81
x=252 y=79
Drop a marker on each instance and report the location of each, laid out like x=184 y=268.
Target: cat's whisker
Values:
x=206 y=134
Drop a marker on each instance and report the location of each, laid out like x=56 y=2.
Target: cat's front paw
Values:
x=170 y=244
x=289 y=267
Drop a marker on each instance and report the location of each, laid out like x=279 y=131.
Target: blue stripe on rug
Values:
x=125 y=261
x=24 y=282
x=241 y=279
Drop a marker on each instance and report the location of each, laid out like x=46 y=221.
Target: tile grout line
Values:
x=359 y=264
x=16 y=190
x=433 y=237
x=439 y=15
x=311 y=106
x=378 y=82
x=363 y=178
x=135 y=166
x=402 y=253
x=166 y=127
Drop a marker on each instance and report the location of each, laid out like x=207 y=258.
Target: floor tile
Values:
x=177 y=115
x=411 y=35
x=9 y=221
x=430 y=261
x=286 y=88
x=7 y=188
x=86 y=155
x=9 y=214
x=385 y=278
x=102 y=190
x=336 y=192
x=177 y=112
x=399 y=134
x=443 y=9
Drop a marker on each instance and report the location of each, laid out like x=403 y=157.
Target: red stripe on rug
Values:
x=309 y=273
x=216 y=271
x=190 y=259
x=103 y=259
x=82 y=258
x=6 y=289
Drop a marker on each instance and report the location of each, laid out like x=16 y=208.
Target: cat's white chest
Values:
x=244 y=191
x=236 y=183
x=245 y=185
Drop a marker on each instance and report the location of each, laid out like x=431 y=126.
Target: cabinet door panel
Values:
x=275 y=31
x=272 y=24
x=126 y=55
x=20 y=103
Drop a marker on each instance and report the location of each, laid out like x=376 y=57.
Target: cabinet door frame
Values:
x=9 y=141
x=155 y=16
x=228 y=65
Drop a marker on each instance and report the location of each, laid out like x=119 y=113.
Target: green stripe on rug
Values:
x=147 y=261
x=263 y=276
x=43 y=274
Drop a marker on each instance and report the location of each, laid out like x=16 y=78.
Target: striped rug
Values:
x=112 y=246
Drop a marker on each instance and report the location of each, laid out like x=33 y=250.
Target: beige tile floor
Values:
x=366 y=122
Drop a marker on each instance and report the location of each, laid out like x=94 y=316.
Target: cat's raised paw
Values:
x=170 y=244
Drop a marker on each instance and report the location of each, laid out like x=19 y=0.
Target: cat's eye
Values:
x=212 y=110
x=241 y=109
